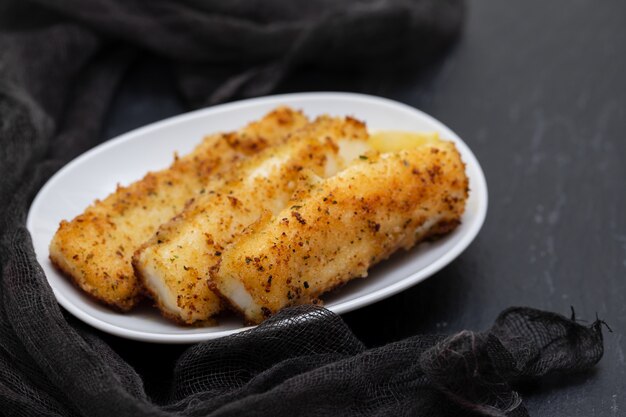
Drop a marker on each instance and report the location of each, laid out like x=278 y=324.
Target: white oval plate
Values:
x=128 y=157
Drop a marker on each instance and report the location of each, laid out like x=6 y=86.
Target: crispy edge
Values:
x=122 y=307
x=437 y=230
x=282 y=115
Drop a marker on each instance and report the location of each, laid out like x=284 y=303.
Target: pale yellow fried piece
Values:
x=174 y=265
x=398 y=140
x=342 y=227
x=95 y=248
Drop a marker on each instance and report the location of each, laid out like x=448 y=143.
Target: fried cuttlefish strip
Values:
x=340 y=228
x=174 y=265
x=96 y=247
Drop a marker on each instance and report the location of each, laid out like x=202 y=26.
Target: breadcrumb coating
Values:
x=341 y=227
x=174 y=265
x=95 y=248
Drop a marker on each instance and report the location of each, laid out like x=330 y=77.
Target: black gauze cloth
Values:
x=60 y=63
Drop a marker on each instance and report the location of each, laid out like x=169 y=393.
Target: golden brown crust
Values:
x=176 y=262
x=118 y=306
x=330 y=232
x=96 y=247
x=165 y=312
x=344 y=226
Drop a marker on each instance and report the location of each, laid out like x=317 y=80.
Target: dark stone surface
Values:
x=538 y=91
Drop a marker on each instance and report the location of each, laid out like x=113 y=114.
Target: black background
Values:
x=538 y=91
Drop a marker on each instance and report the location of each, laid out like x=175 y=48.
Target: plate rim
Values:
x=479 y=185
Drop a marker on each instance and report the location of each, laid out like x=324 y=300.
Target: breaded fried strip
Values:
x=345 y=225
x=95 y=248
x=174 y=265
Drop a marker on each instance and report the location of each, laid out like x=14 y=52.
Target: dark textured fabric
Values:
x=60 y=63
